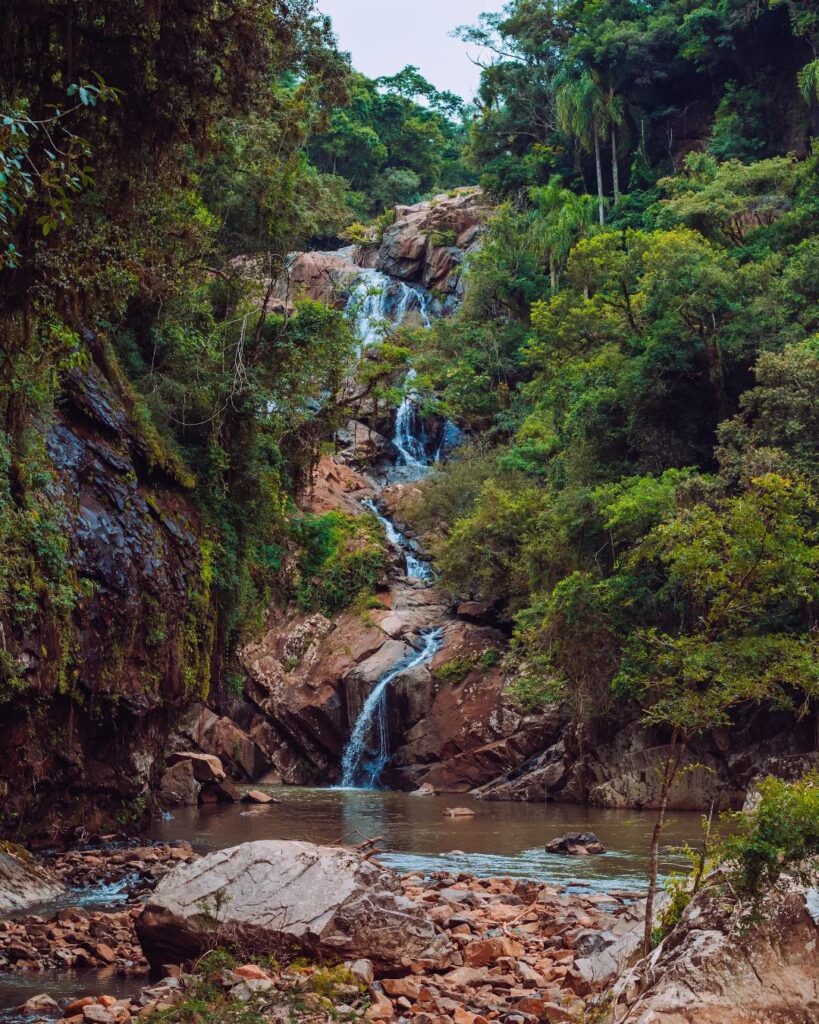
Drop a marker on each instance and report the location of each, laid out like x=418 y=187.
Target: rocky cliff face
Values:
x=618 y=766
x=722 y=966
x=308 y=677
x=426 y=245
x=102 y=684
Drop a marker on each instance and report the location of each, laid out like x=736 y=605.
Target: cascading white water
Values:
x=368 y=749
x=376 y=301
x=406 y=437
x=367 y=306
x=415 y=566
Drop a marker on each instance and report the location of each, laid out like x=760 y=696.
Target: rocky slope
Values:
x=426 y=245
x=724 y=965
x=450 y=723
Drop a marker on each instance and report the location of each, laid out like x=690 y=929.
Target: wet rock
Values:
x=23 y=881
x=223 y=792
x=178 y=786
x=132 y=533
x=424 y=790
x=256 y=796
x=459 y=812
x=327 y=901
x=576 y=844
x=41 y=1004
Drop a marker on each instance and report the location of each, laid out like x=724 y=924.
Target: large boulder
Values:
x=428 y=242
x=178 y=786
x=23 y=881
x=206 y=767
x=722 y=966
x=327 y=901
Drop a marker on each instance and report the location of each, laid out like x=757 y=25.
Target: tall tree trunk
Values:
x=670 y=769
x=599 y=168
x=553 y=271
x=615 y=170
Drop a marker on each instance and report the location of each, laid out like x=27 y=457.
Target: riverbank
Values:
x=522 y=951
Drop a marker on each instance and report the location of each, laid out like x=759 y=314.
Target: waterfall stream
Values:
x=368 y=749
x=415 y=566
x=375 y=303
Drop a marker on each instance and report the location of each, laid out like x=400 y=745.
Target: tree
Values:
x=563 y=218
x=582 y=112
x=742 y=572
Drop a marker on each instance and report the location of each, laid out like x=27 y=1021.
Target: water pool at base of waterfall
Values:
x=502 y=839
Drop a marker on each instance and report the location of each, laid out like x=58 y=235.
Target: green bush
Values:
x=782 y=833
x=456 y=669
x=342 y=558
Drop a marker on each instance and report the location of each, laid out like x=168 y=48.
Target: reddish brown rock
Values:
x=206 y=767
x=485 y=952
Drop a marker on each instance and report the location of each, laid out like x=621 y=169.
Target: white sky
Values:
x=384 y=36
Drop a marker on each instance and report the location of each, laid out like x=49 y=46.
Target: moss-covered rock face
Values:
x=90 y=682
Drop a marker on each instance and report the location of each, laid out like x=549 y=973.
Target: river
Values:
x=501 y=839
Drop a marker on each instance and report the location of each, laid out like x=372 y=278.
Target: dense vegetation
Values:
x=640 y=373
x=154 y=173
x=636 y=359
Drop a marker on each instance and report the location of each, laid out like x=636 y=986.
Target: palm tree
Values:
x=809 y=82
x=581 y=111
x=563 y=218
x=615 y=115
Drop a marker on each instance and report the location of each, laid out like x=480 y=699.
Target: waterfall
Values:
x=376 y=300
x=367 y=306
x=407 y=440
x=368 y=749
x=415 y=566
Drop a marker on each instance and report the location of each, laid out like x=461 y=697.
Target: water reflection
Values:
x=16 y=988
x=501 y=838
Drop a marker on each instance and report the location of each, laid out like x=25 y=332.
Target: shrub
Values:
x=342 y=558
x=782 y=833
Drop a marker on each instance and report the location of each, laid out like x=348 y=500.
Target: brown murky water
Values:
x=17 y=988
x=501 y=838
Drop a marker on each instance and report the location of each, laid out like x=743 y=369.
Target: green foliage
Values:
x=165 y=168
x=780 y=834
x=456 y=669
x=395 y=139
x=343 y=558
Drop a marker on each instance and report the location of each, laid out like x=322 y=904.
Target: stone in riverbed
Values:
x=178 y=787
x=256 y=796
x=425 y=789
x=41 y=1004
x=23 y=882
x=327 y=901
x=458 y=812
x=485 y=952
x=223 y=792
x=576 y=844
